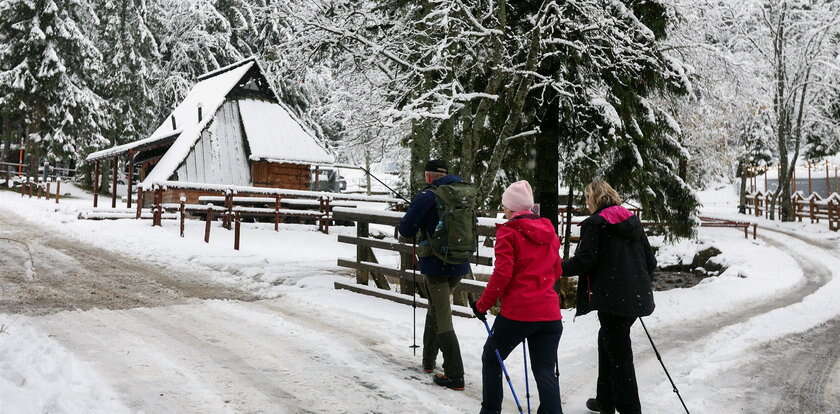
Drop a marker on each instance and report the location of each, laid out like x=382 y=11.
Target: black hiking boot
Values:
x=592 y=405
x=456 y=384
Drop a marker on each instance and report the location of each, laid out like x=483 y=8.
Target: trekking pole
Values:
x=502 y=364
x=527 y=386
x=414 y=345
x=659 y=357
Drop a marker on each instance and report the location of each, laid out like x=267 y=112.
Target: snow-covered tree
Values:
x=797 y=44
x=49 y=67
x=755 y=154
x=479 y=80
x=195 y=38
x=132 y=62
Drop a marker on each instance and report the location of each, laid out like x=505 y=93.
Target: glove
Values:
x=482 y=316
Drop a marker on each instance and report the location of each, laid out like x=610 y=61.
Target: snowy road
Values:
x=205 y=358
x=149 y=334
x=168 y=341
x=44 y=273
x=799 y=373
x=678 y=344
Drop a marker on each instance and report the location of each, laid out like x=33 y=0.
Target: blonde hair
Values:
x=600 y=194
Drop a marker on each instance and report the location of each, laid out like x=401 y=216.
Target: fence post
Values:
x=277 y=212
x=96 y=184
x=236 y=232
x=755 y=231
x=327 y=216
x=115 y=161
x=48 y=195
x=362 y=231
x=811 y=207
x=158 y=209
x=229 y=206
x=208 y=218
x=139 y=202
x=755 y=201
x=183 y=201
x=57 y=189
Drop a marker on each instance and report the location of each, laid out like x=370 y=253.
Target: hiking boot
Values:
x=592 y=405
x=456 y=384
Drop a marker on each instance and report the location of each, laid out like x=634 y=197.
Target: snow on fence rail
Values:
x=368 y=267
x=39 y=188
x=813 y=207
x=237 y=189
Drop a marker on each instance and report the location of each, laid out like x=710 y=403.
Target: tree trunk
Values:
x=476 y=127
x=742 y=203
x=488 y=180
x=567 y=236
x=420 y=145
x=548 y=159
x=367 y=169
x=5 y=139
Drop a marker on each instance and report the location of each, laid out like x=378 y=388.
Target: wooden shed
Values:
x=230 y=129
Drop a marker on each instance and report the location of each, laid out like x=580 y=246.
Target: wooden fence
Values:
x=367 y=266
x=39 y=188
x=813 y=207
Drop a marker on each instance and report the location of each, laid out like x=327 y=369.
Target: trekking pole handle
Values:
x=504 y=369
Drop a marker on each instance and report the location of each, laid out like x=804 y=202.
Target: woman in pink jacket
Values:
x=527 y=266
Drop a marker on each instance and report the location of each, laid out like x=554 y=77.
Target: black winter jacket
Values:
x=615 y=263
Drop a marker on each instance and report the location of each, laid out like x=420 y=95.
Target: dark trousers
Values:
x=439 y=334
x=617 y=388
x=543 y=339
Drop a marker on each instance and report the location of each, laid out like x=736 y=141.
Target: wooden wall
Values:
x=219 y=156
x=277 y=175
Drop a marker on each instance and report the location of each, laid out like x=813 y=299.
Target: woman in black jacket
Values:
x=615 y=264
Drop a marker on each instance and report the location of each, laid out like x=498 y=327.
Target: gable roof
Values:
x=268 y=124
x=210 y=93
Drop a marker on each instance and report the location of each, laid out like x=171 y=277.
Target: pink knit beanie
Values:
x=518 y=197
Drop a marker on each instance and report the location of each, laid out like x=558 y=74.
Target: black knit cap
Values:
x=438 y=166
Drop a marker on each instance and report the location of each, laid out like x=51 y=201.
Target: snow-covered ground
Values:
x=305 y=347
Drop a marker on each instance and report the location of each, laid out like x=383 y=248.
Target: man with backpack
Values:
x=443 y=220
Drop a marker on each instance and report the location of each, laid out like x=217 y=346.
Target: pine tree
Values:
x=48 y=70
x=195 y=39
x=132 y=60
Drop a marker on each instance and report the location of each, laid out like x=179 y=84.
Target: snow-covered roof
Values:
x=273 y=135
x=208 y=94
x=119 y=149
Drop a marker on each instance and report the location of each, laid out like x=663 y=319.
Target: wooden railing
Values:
x=813 y=207
x=39 y=188
x=367 y=266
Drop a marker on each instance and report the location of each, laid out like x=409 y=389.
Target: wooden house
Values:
x=230 y=129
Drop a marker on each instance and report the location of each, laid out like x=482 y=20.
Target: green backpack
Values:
x=455 y=238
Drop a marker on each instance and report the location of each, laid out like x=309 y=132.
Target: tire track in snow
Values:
x=799 y=373
x=221 y=356
x=73 y=275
